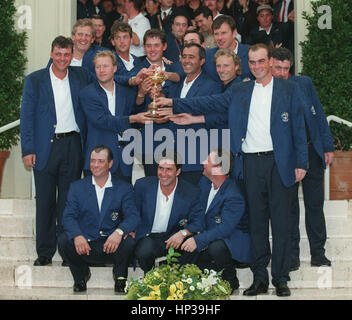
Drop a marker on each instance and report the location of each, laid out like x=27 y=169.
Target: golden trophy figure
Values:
x=157 y=78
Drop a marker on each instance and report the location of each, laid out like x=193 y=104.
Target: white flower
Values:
x=199 y=285
x=189 y=280
x=192 y=288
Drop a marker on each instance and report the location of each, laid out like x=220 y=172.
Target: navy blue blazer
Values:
x=38 y=114
x=202 y=86
x=314 y=116
x=103 y=127
x=287 y=125
x=121 y=69
x=185 y=212
x=209 y=65
x=226 y=219
x=174 y=48
x=82 y=217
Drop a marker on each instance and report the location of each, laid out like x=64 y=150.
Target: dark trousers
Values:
x=216 y=257
x=64 y=166
x=313 y=194
x=79 y=264
x=268 y=200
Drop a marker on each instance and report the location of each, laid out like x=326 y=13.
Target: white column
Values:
x=300 y=29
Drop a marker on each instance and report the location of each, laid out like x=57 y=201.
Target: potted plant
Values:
x=12 y=66
x=326 y=58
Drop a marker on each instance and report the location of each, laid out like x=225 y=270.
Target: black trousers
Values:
x=268 y=201
x=216 y=257
x=64 y=166
x=79 y=264
x=313 y=195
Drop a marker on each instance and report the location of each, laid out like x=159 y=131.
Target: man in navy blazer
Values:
x=225 y=239
x=267 y=130
x=100 y=210
x=169 y=210
x=53 y=131
x=195 y=83
x=320 y=151
x=224 y=29
x=108 y=107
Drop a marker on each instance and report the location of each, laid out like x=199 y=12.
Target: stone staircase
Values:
x=19 y=279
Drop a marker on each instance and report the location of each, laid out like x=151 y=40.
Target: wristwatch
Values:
x=184 y=233
x=119 y=231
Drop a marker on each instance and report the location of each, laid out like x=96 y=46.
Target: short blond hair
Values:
x=236 y=59
x=84 y=23
x=106 y=53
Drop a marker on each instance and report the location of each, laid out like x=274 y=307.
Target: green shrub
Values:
x=12 y=66
x=327 y=59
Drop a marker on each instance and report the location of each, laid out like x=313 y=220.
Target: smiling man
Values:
x=100 y=212
x=169 y=208
x=52 y=135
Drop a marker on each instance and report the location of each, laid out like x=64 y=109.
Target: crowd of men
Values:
x=234 y=135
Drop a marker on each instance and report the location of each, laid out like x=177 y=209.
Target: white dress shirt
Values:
x=163 y=210
x=65 y=117
x=76 y=63
x=101 y=191
x=258 y=137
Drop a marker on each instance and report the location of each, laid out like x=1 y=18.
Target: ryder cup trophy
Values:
x=157 y=79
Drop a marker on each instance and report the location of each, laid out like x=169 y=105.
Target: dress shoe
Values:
x=256 y=288
x=64 y=263
x=42 y=261
x=320 y=261
x=81 y=286
x=294 y=265
x=120 y=286
x=282 y=290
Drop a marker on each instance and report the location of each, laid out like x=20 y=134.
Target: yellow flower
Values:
x=146 y=298
x=157 y=274
x=179 y=285
x=172 y=297
x=172 y=289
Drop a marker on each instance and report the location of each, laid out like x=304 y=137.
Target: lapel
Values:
x=108 y=195
x=177 y=203
x=74 y=87
x=218 y=196
x=102 y=95
x=92 y=198
x=246 y=104
x=274 y=99
x=151 y=198
x=120 y=100
x=48 y=89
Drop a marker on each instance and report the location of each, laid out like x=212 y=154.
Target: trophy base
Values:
x=152 y=111
x=152 y=115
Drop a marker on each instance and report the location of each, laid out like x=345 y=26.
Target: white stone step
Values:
x=108 y=294
x=18 y=226
x=27 y=207
x=338 y=248
x=25 y=275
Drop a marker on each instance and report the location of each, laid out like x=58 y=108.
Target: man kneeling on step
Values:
x=100 y=210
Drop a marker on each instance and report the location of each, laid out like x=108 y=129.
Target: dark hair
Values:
x=205 y=11
x=220 y=20
x=172 y=155
x=101 y=147
x=155 y=33
x=224 y=158
x=97 y=17
x=62 y=42
x=201 y=50
x=201 y=37
x=137 y=4
x=120 y=27
x=282 y=54
x=257 y=46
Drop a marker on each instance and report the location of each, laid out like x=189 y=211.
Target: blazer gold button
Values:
x=242 y=139
x=51 y=140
